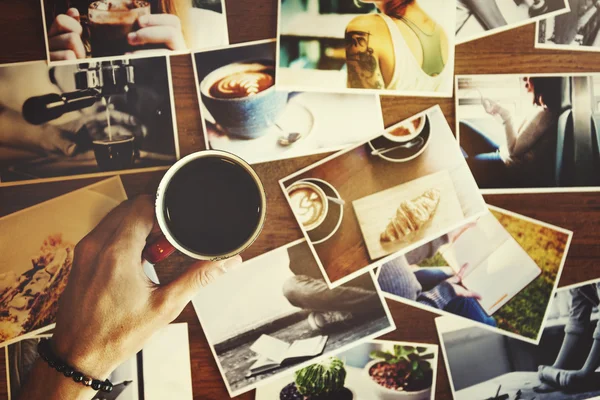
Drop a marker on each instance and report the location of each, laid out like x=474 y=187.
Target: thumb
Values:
x=73 y=13
x=198 y=275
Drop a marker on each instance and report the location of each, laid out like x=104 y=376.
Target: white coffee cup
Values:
x=405 y=131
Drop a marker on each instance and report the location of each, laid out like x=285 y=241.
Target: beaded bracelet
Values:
x=53 y=361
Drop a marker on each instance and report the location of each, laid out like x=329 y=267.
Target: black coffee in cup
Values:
x=212 y=206
x=114 y=155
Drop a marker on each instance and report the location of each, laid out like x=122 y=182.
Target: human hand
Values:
x=110 y=307
x=158 y=29
x=64 y=37
x=15 y=132
x=459 y=289
x=493 y=108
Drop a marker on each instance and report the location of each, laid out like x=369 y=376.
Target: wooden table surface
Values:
x=21 y=39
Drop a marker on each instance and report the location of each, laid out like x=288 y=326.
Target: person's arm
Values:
x=110 y=307
x=361 y=55
x=15 y=132
x=486 y=12
x=533 y=129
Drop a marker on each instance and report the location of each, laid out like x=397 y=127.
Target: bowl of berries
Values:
x=402 y=373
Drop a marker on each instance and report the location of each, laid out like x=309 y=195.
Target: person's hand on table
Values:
x=64 y=37
x=110 y=307
x=46 y=139
x=158 y=30
x=457 y=285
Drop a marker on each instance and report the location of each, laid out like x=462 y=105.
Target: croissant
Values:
x=411 y=216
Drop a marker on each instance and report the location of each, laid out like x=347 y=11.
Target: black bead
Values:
x=51 y=363
x=96 y=384
x=60 y=367
x=77 y=377
x=68 y=372
x=108 y=387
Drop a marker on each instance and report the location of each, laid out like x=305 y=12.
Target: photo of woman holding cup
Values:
x=78 y=29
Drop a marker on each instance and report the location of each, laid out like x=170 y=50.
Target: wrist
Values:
x=86 y=359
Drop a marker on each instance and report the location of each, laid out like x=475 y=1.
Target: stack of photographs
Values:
x=390 y=212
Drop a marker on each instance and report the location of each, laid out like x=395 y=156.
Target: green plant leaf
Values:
x=421 y=349
x=384 y=355
x=414 y=365
x=429 y=356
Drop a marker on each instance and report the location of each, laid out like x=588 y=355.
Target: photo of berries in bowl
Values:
x=402 y=373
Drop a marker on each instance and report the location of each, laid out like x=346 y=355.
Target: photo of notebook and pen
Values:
x=497 y=267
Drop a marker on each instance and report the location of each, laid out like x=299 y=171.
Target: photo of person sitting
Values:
x=430 y=286
x=564 y=374
x=356 y=300
x=530 y=141
x=400 y=48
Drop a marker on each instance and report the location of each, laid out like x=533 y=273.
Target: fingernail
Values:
x=132 y=37
x=231 y=263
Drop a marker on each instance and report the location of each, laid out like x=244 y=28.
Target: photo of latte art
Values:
x=308 y=205
x=243 y=84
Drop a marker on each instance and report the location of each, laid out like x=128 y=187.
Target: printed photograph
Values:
x=161 y=370
x=500 y=271
x=575 y=30
x=384 y=197
x=398 y=47
x=37 y=247
x=479 y=18
x=374 y=370
x=258 y=331
x=565 y=365
x=243 y=113
x=92 y=29
x=534 y=133
x=89 y=119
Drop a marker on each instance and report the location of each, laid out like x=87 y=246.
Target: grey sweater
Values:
x=396 y=277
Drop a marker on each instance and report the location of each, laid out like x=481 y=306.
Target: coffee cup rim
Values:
x=404 y=139
x=164 y=184
x=205 y=92
x=321 y=192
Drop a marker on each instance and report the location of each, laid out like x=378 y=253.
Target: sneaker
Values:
x=322 y=320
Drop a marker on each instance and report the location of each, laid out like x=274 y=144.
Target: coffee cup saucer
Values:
x=398 y=152
x=334 y=217
x=296 y=118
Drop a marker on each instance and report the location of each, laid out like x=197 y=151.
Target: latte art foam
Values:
x=242 y=84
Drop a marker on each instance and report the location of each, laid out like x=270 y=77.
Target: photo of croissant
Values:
x=411 y=215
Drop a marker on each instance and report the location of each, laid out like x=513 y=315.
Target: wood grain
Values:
x=21 y=36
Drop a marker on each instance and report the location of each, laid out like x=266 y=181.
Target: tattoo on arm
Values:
x=363 y=67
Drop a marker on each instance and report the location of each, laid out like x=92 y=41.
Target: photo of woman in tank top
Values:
x=399 y=48
x=393 y=47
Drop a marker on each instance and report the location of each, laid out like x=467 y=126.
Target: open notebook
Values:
x=498 y=267
x=272 y=352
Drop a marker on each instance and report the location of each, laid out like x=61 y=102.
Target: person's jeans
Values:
x=462 y=306
x=469 y=308
x=482 y=154
x=583 y=301
x=430 y=277
x=313 y=294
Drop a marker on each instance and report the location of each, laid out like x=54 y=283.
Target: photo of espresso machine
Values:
x=118 y=113
x=94 y=81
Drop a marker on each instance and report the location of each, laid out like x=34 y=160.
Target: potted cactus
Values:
x=321 y=381
x=404 y=373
